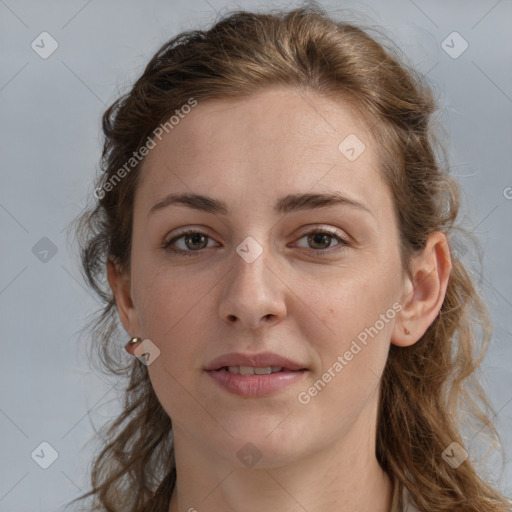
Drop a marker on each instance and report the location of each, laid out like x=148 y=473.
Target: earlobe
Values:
x=424 y=291
x=120 y=286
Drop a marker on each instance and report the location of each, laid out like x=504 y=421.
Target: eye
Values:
x=319 y=239
x=193 y=241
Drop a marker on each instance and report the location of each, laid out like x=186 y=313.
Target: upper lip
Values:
x=260 y=360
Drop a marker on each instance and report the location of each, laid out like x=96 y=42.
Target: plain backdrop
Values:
x=50 y=145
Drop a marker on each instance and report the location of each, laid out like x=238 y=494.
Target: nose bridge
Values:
x=252 y=293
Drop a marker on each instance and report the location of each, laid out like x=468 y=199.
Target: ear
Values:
x=424 y=291
x=121 y=288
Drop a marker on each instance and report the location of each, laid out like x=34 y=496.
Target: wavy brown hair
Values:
x=426 y=387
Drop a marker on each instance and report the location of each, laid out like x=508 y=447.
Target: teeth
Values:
x=249 y=370
x=263 y=371
x=246 y=370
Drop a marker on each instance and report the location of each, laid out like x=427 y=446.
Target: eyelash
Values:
x=342 y=245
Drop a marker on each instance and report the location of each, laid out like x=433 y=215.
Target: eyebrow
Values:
x=286 y=204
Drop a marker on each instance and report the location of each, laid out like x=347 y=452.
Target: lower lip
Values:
x=253 y=386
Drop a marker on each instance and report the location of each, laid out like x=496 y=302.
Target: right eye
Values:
x=193 y=242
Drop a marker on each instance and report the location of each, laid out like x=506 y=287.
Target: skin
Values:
x=318 y=456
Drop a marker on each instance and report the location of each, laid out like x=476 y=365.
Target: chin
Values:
x=262 y=445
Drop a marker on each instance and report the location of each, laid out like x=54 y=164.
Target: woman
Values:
x=274 y=225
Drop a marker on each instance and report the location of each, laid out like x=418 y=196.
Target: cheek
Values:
x=173 y=315
x=351 y=363
x=170 y=301
x=338 y=307
x=350 y=330
x=174 y=318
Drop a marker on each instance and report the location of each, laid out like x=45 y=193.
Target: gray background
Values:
x=49 y=151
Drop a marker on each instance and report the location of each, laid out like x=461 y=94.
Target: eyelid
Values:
x=344 y=241
x=189 y=229
x=319 y=228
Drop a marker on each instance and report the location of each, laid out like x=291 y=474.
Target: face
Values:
x=257 y=278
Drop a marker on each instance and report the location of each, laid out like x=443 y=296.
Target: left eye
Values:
x=320 y=239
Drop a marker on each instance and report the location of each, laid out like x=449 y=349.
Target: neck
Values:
x=343 y=476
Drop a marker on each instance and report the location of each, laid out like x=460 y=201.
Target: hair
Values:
x=426 y=387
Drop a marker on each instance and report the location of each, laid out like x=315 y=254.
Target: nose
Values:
x=253 y=295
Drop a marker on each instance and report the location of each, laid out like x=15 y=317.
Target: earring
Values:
x=406 y=330
x=131 y=343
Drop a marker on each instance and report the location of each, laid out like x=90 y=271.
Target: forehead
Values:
x=282 y=119
x=277 y=141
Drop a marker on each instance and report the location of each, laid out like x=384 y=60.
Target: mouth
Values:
x=263 y=363
x=254 y=375
x=250 y=370
x=255 y=382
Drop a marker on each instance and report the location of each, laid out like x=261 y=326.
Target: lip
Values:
x=253 y=386
x=260 y=360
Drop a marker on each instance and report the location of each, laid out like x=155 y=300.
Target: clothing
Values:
x=163 y=495
x=408 y=507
